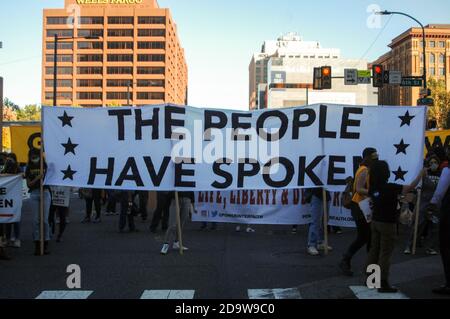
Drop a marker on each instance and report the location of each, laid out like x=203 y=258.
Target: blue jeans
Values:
x=35 y=202
x=315 y=233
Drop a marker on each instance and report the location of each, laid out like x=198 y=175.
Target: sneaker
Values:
x=165 y=249
x=250 y=230
x=176 y=246
x=16 y=243
x=322 y=247
x=431 y=252
x=294 y=230
x=312 y=251
x=86 y=220
x=407 y=251
x=238 y=229
x=97 y=220
x=108 y=214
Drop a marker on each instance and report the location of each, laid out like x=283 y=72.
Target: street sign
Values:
x=386 y=77
x=395 y=77
x=364 y=80
x=351 y=76
x=364 y=74
x=425 y=101
x=411 y=81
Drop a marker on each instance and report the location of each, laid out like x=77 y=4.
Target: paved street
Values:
x=222 y=264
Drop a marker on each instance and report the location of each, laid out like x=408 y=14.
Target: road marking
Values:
x=362 y=292
x=64 y=294
x=289 y=293
x=168 y=294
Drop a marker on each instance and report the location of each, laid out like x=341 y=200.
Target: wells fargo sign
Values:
x=109 y=1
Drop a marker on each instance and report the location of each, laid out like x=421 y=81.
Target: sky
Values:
x=220 y=37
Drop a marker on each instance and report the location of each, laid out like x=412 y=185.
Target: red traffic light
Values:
x=378 y=69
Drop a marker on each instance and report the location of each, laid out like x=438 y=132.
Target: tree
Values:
x=9 y=114
x=30 y=112
x=8 y=103
x=441 y=109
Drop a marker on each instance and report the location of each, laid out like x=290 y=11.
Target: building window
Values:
x=58 y=20
x=432 y=44
x=89 y=70
x=150 y=83
x=152 y=20
x=89 y=83
x=432 y=58
x=433 y=71
x=120 y=70
x=151 y=45
x=120 y=20
x=59 y=95
x=90 y=20
x=150 y=96
x=89 y=95
x=149 y=70
x=90 y=58
x=442 y=44
x=119 y=83
x=90 y=33
x=85 y=45
x=151 y=32
x=117 y=95
x=60 y=33
x=442 y=71
x=120 y=32
x=61 y=45
x=120 y=45
x=59 y=58
x=151 y=57
x=61 y=83
x=120 y=58
x=61 y=70
x=441 y=58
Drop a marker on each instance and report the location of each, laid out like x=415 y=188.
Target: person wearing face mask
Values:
x=33 y=177
x=441 y=198
x=426 y=220
x=361 y=192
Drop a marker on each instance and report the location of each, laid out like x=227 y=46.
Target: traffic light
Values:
x=377 y=73
x=326 y=77
x=317 y=83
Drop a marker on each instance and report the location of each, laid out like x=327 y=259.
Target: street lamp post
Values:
x=424 y=45
x=55 y=61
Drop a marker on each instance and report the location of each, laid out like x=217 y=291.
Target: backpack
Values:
x=347 y=195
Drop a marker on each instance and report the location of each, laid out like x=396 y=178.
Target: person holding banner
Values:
x=161 y=213
x=360 y=193
x=316 y=231
x=59 y=207
x=33 y=177
x=92 y=196
x=442 y=197
x=385 y=200
x=186 y=199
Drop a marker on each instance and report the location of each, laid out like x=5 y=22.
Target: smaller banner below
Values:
x=60 y=196
x=10 y=198
x=265 y=207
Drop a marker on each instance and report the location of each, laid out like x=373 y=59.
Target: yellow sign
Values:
x=24 y=138
x=436 y=138
x=364 y=74
x=6 y=137
x=109 y=1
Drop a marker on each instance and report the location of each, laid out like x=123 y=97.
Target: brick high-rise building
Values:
x=406 y=55
x=110 y=48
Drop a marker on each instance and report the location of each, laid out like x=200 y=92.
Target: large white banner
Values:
x=265 y=207
x=10 y=198
x=166 y=147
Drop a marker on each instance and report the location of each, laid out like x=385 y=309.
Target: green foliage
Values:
x=441 y=109
x=8 y=103
x=30 y=112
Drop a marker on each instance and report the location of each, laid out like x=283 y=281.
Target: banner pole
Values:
x=177 y=208
x=41 y=188
x=325 y=219
x=416 y=222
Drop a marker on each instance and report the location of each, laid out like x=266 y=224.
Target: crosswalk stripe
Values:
x=362 y=292
x=64 y=294
x=168 y=294
x=289 y=293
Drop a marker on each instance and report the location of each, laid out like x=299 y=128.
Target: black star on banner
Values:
x=69 y=147
x=66 y=119
x=401 y=148
x=406 y=120
x=400 y=174
x=68 y=173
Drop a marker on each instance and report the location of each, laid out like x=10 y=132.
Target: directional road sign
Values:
x=351 y=76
